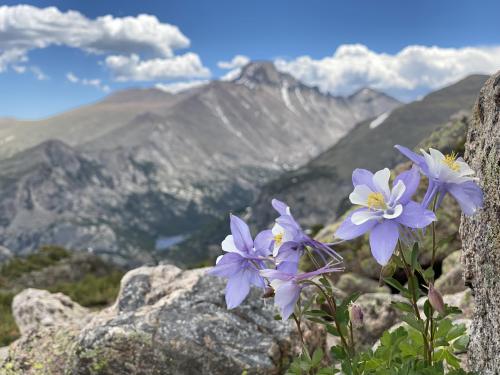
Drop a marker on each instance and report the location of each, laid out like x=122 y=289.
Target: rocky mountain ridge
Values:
x=143 y=164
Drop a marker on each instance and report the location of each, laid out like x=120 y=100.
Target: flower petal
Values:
x=237 y=289
x=416 y=216
x=381 y=181
x=414 y=157
x=228 y=265
x=241 y=234
x=229 y=246
x=468 y=195
x=362 y=177
x=396 y=212
x=263 y=242
x=363 y=216
x=348 y=230
x=397 y=192
x=411 y=179
x=286 y=297
x=383 y=240
x=360 y=195
x=281 y=207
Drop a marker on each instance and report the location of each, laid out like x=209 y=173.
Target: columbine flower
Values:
x=287 y=286
x=289 y=241
x=385 y=211
x=242 y=261
x=447 y=174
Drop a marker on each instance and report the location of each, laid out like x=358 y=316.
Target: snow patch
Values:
x=379 y=120
x=286 y=97
x=301 y=99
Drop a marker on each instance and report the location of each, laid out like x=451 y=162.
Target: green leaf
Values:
x=317 y=357
x=397 y=285
x=414 y=256
x=460 y=344
x=413 y=322
x=427 y=309
x=456 y=331
x=428 y=274
x=452 y=360
x=338 y=352
x=332 y=330
x=443 y=328
x=403 y=306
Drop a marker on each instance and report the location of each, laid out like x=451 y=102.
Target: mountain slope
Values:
x=142 y=164
x=318 y=190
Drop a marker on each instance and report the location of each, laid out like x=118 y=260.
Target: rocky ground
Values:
x=169 y=321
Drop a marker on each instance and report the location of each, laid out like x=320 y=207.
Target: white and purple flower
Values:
x=289 y=241
x=243 y=259
x=287 y=286
x=385 y=211
x=447 y=174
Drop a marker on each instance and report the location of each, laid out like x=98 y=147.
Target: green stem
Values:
x=333 y=307
x=301 y=335
x=413 y=299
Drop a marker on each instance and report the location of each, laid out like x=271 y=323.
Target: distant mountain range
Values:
x=141 y=165
x=318 y=190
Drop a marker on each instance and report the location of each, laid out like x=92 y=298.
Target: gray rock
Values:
x=481 y=232
x=351 y=282
x=452 y=277
x=168 y=321
x=34 y=309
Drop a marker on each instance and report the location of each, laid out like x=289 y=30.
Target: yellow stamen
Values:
x=450 y=161
x=376 y=200
x=278 y=239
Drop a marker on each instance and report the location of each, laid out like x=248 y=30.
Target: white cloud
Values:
x=237 y=61
x=25 y=28
x=132 y=68
x=37 y=72
x=87 y=82
x=412 y=71
x=20 y=69
x=177 y=87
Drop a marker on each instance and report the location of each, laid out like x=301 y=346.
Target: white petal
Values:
x=360 y=195
x=397 y=192
x=277 y=229
x=397 y=211
x=381 y=181
x=363 y=216
x=436 y=155
x=464 y=170
x=434 y=167
x=218 y=258
x=229 y=246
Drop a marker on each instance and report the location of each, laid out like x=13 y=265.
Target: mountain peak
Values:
x=264 y=72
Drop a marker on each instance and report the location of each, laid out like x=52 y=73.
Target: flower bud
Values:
x=435 y=299
x=355 y=315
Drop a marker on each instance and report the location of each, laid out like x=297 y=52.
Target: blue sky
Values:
x=67 y=59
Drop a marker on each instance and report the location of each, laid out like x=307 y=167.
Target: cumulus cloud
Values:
x=412 y=71
x=127 y=68
x=235 y=65
x=237 y=61
x=25 y=28
x=177 y=87
x=87 y=82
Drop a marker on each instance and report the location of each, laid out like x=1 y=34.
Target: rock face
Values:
x=34 y=309
x=481 y=233
x=165 y=321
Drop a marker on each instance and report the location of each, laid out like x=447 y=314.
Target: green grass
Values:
x=93 y=290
